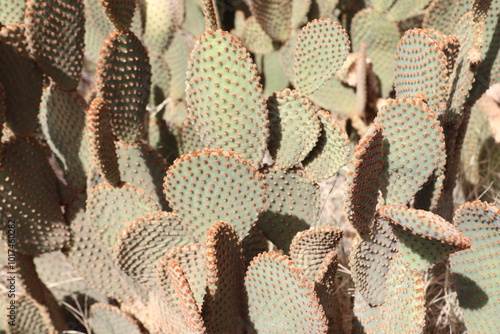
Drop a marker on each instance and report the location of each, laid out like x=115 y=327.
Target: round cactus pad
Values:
x=119 y=12
x=208 y=186
x=321 y=49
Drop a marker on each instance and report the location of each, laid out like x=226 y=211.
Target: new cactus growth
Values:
x=170 y=163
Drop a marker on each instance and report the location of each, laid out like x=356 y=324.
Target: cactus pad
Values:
x=330 y=153
x=321 y=49
x=421 y=69
x=22 y=80
x=32 y=317
x=102 y=142
x=207 y=186
x=123 y=81
x=107 y=319
x=62 y=116
x=274 y=16
x=12 y=12
x=177 y=57
x=363 y=181
x=119 y=12
x=94 y=262
x=109 y=216
x=475 y=271
x=424 y=238
x=293 y=205
x=222 y=306
x=370 y=260
x=381 y=36
x=144 y=242
x=295 y=128
x=413 y=155
x=186 y=298
x=254 y=38
x=224 y=97
x=280 y=299
x=55 y=31
x=161 y=24
x=29 y=195
x=310 y=248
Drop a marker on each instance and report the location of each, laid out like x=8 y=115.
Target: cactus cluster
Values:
x=163 y=165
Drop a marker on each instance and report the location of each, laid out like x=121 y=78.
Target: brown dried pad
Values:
x=123 y=81
x=55 y=31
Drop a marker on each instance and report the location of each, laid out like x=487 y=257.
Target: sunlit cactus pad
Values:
x=475 y=270
x=411 y=155
x=55 y=31
x=274 y=16
x=280 y=299
x=213 y=185
x=321 y=48
x=224 y=97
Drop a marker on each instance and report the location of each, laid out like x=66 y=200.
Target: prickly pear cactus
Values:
x=171 y=166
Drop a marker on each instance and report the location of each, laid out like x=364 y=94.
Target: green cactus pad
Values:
x=475 y=271
x=160 y=81
x=293 y=206
x=424 y=237
x=370 y=261
x=254 y=244
x=275 y=17
x=405 y=299
x=94 y=262
x=31 y=317
x=109 y=208
x=107 y=319
x=300 y=8
x=280 y=299
x=55 y=31
x=192 y=259
x=21 y=79
x=123 y=81
x=294 y=126
x=330 y=153
x=177 y=57
x=29 y=195
x=254 y=38
x=469 y=34
x=210 y=14
x=102 y=142
x=287 y=53
x=208 y=186
x=421 y=69
x=97 y=29
x=144 y=242
x=222 y=307
x=186 y=298
x=321 y=49
x=367 y=319
x=62 y=116
x=443 y=15
x=325 y=288
x=412 y=155
x=189 y=141
x=275 y=78
x=336 y=97
x=119 y=12
x=161 y=24
x=363 y=180
x=224 y=96
x=12 y=12
x=381 y=36
x=404 y=9
x=309 y=248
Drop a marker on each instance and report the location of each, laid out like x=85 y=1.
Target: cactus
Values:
x=169 y=165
